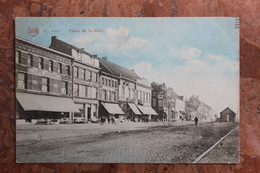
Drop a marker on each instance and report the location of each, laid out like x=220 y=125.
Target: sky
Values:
x=194 y=56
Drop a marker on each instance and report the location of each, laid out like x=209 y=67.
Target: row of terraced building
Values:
x=64 y=81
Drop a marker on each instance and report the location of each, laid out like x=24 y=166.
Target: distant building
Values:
x=125 y=82
x=43 y=82
x=227 y=115
x=167 y=103
x=132 y=94
x=194 y=107
x=144 y=93
x=109 y=92
x=85 y=79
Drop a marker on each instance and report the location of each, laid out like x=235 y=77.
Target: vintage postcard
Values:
x=127 y=90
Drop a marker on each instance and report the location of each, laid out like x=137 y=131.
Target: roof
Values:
x=118 y=70
x=64 y=47
x=43 y=47
x=227 y=109
x=194 y=103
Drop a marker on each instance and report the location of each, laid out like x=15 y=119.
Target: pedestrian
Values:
x=108 y=120
x=196 y=120
x=103 y=119
x=113 y=120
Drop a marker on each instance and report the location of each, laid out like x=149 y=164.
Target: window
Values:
x=154 y=102
x=103 y=81
x=76 y=72
x=113 y=96
x=89 y=92
x=94 y=77
x=160 y=103
x=143 y=96
x=87 y=75
x=94 y=93
x=112 y=83
x=82 y=90
x=105 y=95
x=30 y=60
x=109 y=82
x=129 y=93
x=76 y=89
x=50 y=65
x=40 y=66
x=64 y=88
x=45 y=84
x=18 y=56
x=83 y=74
x=68 y=70
x=80 y=56
x=21 y=81
x=115 y=84
x=60 y=68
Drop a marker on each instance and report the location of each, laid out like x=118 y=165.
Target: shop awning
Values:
x=134 y=109
x=147 y=110
x=112 y=108
x=33 y=102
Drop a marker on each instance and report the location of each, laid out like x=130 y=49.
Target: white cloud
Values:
x=214 y=57
x=209 y=81
x=189 y=52
x=111 y=40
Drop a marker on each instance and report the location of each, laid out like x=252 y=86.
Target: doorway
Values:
x=227 y=118
x=89 y=113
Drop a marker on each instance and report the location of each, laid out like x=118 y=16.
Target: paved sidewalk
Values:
x=33 y=132
x=226 y=151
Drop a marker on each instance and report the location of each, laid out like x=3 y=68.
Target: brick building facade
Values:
x=43 y=77
x=85 y=80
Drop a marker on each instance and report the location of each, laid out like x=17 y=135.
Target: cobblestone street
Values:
x=151 y=144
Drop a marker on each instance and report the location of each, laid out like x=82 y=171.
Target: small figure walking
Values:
x=113 y=121
x=196 y=120
x=102 y=121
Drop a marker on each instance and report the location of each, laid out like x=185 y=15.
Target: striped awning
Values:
x=134 y=109
x=147 y=110
x=113 y=108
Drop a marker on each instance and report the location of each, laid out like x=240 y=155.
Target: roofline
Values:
x=43 y=47
x=102 y=72
x=128 y=79
x=80 y=62
x=142 y=85
x=105 y=65
x=72 y=46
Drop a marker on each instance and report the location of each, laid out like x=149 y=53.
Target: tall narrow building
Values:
x=85 y=79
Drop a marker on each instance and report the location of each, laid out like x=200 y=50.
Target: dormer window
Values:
x=80 y=56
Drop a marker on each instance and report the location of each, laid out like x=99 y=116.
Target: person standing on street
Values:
x=196 y=120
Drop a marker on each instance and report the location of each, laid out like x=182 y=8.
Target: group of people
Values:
x=103 y=120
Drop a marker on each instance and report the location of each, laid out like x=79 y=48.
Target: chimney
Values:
x=82 y=49
x=104 y=58
x=53 y=38
x=95 y=56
